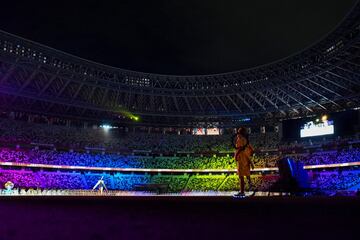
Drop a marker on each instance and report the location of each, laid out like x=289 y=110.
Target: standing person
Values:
x=243 y=153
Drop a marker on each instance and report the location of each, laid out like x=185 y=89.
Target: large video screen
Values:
x=339 y=124
x=199 y=131
x=213 y=131
x=317 y=128
x=206 y=131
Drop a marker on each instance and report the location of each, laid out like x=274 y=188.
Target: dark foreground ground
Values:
x=179 y=218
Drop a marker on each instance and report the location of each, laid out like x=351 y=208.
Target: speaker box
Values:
x=293 y=177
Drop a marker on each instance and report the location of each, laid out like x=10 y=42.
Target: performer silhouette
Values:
x=101 y=185
x=243 y=153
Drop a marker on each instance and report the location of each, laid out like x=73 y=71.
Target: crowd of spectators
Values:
x=71 y=137
x=176 y=183
x=69 y=180
x=125 y=182
x=42 y=180
x=52 y=157
x=327 y=180
x=204 y=182
x=324 y=143
x=335 y=180
x=22 y=132
x=329 y=157
x=219 y=148
x=128 y=182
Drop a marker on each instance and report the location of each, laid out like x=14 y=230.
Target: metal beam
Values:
x=311 y=90
x=221 y=102
x=8 y=74
x=244 y=101
x=307 y=97
x=233 y=102
x=256 y=100
x=200 y=105
x=267 y=99
x=29 y=79
x=283 y=101
x=296 y=100
x=176 y=103
x=187 y=104
x=47 y=85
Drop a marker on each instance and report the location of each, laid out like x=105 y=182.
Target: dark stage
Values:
x=179 y=218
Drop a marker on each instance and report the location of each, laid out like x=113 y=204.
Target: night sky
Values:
x=176 y=36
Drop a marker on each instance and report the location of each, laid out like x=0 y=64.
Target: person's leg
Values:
x=241 y=194
x=242 y=184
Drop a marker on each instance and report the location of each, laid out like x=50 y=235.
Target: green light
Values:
x=135 y=118
x=126 y=113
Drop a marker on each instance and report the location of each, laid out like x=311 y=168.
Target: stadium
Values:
x=81 y=139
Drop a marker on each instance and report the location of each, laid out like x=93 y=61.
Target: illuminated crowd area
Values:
x=45 y=157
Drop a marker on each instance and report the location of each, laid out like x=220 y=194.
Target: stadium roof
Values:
x=176 y=37
x=322 y=78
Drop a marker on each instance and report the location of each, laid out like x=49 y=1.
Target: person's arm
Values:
x=251 y=149
x=233 y=141
x=235 y=154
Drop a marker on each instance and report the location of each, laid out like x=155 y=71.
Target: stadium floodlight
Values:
x=107 y=127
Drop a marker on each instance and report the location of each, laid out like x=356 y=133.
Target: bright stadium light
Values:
x=107 y=127
x=324 y=118
x=135 y=118
x=126 y=113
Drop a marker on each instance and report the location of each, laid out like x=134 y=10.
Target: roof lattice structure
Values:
x=324 y=77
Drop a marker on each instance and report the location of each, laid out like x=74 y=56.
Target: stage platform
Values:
x=183 y=194
x=124 y=194
x=173 y=217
